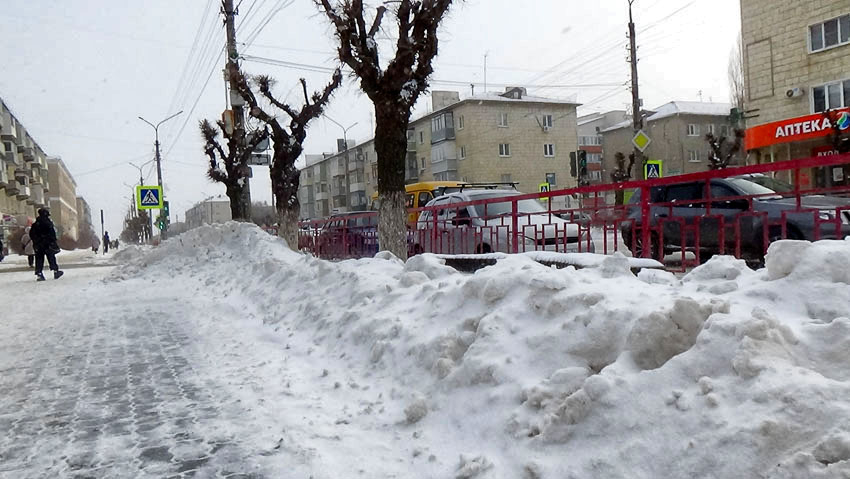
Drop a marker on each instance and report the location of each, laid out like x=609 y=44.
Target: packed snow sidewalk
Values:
x=377 y=368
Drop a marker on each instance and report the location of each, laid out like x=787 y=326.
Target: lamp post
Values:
x=158 y=162
x=142 y=183
x=344 y=130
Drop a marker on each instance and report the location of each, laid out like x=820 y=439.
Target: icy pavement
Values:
x=96 y=381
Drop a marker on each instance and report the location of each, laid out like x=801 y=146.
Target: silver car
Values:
x=488 y=227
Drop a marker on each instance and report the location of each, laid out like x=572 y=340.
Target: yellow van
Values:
x=419 y=194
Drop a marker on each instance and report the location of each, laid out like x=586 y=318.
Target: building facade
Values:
x=590 y=141
x=677 y=132
x=24 y=180
x=508 y=137
x=211 y=210
x=63 y=198
x=796 y=65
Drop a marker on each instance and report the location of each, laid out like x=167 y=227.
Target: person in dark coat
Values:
x=43 y=236
x=106 y=242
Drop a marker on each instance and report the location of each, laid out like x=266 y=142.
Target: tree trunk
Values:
x=391 y=122
x=286 y=180
x=238 y=210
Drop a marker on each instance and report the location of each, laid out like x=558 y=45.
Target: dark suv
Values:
x=752 y=208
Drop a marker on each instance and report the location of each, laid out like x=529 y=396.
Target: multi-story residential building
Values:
x=84 y=222
x=590 y=140
x=508 y=137
x=23 y=173
x=796 y=65
x=677 y=131
x=211 y=210
x=63 y=198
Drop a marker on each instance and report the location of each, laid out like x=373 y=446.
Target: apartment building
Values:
x=63 y=198
x=507 y=137
x=23 y=173
x=677 y=131
x=796 y=65
x=211 y=210
x=590 y=140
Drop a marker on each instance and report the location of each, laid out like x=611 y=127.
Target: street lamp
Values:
x=158 y=161
x=344 y=130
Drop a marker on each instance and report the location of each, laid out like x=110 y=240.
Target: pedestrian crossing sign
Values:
x=544 y=188
x=653 y=169
x=149 y=197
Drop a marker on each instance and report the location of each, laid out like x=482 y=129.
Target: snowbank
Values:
x=527 y=371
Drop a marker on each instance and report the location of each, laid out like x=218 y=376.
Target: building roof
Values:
x=679 y=108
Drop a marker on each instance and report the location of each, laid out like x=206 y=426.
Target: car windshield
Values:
x=772 y=184
x=504 y=208
x=749 y=187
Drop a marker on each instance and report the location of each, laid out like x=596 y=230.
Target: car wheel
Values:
x=483 y=248
x=654 y=250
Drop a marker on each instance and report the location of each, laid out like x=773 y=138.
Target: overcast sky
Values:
x=78 y=73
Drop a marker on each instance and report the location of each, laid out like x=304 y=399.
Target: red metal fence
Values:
x=681 y=220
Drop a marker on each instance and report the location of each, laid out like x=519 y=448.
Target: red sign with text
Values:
x=793 y=129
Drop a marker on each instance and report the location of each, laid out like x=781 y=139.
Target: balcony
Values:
x=355 y=165
x=444 y=165
x=37 y=196
x=4 y=175
x=23 y=191
x=411 y=146
x=8 y=128
x=355 y=187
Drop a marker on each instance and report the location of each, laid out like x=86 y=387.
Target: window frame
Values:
x=695 y=129
x=551 y=121
x=843 y=86
x=693 y=156
x=460 y=122
x=504 y=150
x=548 y=150
x=822 y=28
x=461 y=153
x=503 y=115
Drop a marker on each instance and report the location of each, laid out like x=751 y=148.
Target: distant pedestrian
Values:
x=95 y=244
x=106 y=242
x=1 y=248
x=43 y=236
x=116 y=244
x=29 y=250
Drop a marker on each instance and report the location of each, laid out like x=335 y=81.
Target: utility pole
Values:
x=636 y=107
x=159 y=165
x=232 y=67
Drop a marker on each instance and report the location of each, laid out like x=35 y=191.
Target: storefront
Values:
x=801 y=137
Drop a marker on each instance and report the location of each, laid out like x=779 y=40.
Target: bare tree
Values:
x=722 y=152
x=622 y=173
x=736 y=75
x=393 y=90
x=287 y=143
x=230 y=166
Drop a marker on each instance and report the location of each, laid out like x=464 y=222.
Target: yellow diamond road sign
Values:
x=641 y=140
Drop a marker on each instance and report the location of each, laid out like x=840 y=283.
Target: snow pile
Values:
x=527 y=371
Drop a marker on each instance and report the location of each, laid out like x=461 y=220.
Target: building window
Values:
x=831 y=95
x=422 y=163
x=462 y=153
x=375 y=170
x=550 y=178
x=547 y=121
x=595 y=140
x=421 y=137
x=711 y=128
x=506 y=178
x=693 y=156
x=594 y=157
x=504 y=149
x=693 y=130
x=460 y=122
x=548 y=150
x=503 y=120
x=724 y=130
x=595 y=175
x=830 y=33
x=410 y=134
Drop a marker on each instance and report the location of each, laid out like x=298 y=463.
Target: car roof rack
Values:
x=488 y=186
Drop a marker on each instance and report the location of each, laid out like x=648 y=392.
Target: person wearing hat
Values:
x=43 y=236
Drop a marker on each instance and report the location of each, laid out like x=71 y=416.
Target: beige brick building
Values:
x=63 y=198
x=796 y=64
x=508 y=137
x=677 y=130
x=23 y=173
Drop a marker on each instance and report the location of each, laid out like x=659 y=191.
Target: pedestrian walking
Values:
x=43 y=236
x=106 y=242
x=1 y=247
x=28 y=248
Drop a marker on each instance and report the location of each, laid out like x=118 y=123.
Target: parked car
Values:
x=746 y=205
x=485 y=228
x=348 y=235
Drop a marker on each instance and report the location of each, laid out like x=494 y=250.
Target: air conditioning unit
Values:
x=794 y=92
x=547 y=128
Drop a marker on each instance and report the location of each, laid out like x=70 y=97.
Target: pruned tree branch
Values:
x=721 y=151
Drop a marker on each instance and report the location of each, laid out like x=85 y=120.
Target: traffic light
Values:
x=165 y=210
x=582 y=160
x=573 y=164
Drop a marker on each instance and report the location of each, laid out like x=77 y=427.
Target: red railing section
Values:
x=680 y=220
